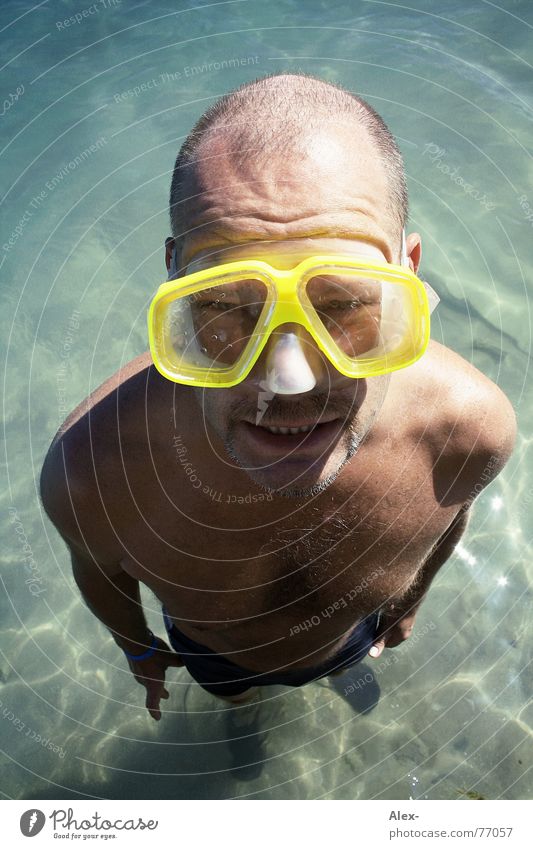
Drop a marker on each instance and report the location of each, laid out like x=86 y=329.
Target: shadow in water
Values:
x=357 y=686
x=245 y=741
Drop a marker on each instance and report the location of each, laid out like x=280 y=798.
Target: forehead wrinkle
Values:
x=230 y=232
x=286 y=189
x=276 y=199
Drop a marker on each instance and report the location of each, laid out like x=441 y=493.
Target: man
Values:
x=287 y=495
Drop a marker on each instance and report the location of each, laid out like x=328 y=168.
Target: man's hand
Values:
x=394 y=627
x=151 y=674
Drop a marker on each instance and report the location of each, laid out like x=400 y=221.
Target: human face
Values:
x=234 y=215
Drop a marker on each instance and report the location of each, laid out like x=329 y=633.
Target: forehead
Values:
x=329 y=184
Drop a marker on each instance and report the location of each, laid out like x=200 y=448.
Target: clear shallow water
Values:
x=86 y=165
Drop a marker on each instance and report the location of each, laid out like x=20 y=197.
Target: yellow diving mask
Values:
x=367 y=317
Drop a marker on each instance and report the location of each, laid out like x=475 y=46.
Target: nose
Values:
x=292 y=362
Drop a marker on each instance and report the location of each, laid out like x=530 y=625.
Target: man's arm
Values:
x=399 y=617
x=111 y=594
x=487 y=438
x=114 y=598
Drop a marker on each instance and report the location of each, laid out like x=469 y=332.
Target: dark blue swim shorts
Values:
x=218 y=675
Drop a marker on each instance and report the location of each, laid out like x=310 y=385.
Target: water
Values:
x=94 y=114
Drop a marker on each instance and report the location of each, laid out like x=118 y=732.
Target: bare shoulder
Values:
x=464 y=417
x=481 y=415
x=85 y=454
x=102 y=400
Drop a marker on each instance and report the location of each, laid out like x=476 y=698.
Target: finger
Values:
x=152 y=704
x=377 y=648
x=155 y=713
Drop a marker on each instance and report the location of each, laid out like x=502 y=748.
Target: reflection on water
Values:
x=448 y=714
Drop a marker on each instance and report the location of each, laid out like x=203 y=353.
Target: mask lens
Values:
x=365 y=317
x=212 y=327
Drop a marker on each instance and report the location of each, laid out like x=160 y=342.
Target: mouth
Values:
x=301 y=440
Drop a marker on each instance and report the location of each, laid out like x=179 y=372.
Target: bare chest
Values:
x=247 y=573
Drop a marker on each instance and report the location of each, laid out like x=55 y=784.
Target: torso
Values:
x=241 y=577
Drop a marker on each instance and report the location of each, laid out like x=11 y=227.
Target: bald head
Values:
x=295 y=121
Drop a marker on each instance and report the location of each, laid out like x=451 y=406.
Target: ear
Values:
x=169 y=247
x=413 y=245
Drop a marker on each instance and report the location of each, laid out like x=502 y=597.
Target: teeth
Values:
x=293 y=430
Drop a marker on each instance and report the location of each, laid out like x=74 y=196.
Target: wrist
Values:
x=147 y=653
x=136 y=647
